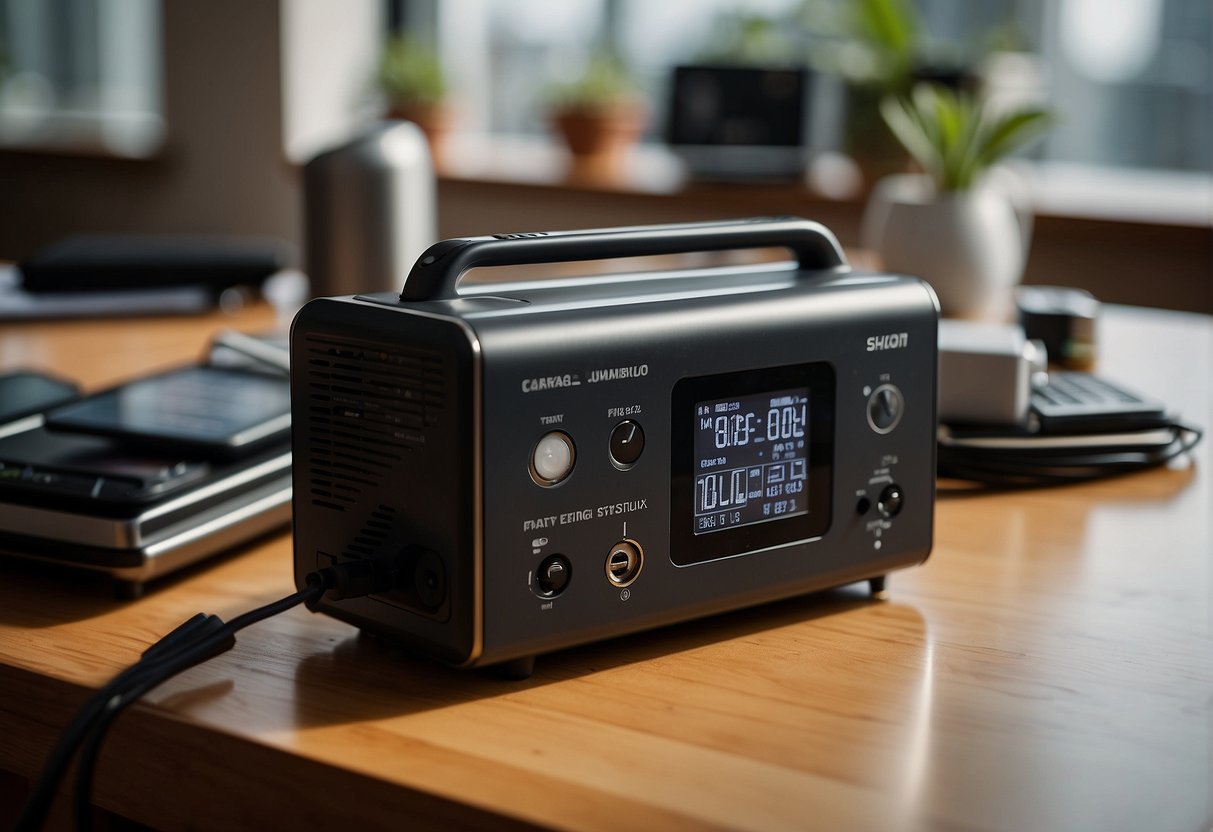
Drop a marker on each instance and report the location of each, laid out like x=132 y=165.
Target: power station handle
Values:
x=435 y=275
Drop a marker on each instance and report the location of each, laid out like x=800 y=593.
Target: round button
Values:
x=885 y=407
x=890 y=501
x=627 y=443
x=553 y=575
x=552 y=459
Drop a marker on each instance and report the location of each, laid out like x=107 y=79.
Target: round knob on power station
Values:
x=627 y=443
x=553 y=575
x=891 y=500
x=885 y=408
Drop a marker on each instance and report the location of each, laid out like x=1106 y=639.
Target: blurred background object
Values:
x=82 y=76
x=964 y=230
x=600 y=113
x=414 y=85
x=235 y=96
x=1064 y=320
x=370 y=210
x=244 y=92
x=741 y=121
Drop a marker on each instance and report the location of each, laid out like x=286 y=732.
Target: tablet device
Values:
x=23 y=393
x=211 y=411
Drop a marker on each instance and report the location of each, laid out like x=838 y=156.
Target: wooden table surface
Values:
x=1050 y=667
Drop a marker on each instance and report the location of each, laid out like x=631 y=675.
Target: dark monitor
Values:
x=740 y=121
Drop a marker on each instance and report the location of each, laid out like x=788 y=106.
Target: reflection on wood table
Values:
x=1050 y=667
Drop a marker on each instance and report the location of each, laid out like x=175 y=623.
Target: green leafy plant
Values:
x=745 y=39
x=955 y=136
x=606 y=82
x=410 y=73
x=889 y=29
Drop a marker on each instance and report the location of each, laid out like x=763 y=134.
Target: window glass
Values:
x=81 y=75
x=1130 y=79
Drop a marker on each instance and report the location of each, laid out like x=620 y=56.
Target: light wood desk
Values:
x=1050 y=667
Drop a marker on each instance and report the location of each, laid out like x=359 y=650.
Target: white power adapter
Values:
x=987 y=373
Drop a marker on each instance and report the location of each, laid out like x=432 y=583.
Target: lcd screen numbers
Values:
x=751 y=459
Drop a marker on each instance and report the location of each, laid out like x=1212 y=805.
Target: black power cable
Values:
x=1024 y=465
x=200 y=638
x=156 y=670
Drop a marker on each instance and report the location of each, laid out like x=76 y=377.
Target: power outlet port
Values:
x=624 y=563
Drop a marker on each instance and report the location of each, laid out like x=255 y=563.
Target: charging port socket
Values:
x=624 y=562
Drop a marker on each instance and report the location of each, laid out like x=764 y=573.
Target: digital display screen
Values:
x=750 y=459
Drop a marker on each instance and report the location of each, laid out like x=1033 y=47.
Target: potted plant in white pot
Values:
x=958 y=226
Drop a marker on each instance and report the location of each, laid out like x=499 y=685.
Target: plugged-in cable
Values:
x=1015 y=462
x=198 y=639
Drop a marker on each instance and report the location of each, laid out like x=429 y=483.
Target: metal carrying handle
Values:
x=435 y=275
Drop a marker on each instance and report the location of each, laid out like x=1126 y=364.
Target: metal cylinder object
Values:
x=369 y=210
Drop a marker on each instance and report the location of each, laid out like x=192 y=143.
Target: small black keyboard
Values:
x=1075 y=402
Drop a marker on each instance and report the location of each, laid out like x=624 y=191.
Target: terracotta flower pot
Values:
x=604 y=132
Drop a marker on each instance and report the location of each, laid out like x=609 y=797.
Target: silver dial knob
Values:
x=885 y=408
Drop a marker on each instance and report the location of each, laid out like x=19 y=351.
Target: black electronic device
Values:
x=42 y=467
x=24 y=393
x=1061 y=318
x=95 y=503
x=550 y=463
x=151 y=475
x=201 y=409
x=1078 y=402
x=109 y=262
x=733 y=121
x=1079 y=427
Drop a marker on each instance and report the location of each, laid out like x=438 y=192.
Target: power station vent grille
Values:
x=372 y=539
x=368 y=405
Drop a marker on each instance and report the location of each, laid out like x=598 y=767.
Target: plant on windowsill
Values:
x=958 y=225
x=600 y=114
x=883 y=43
x=411 y=79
